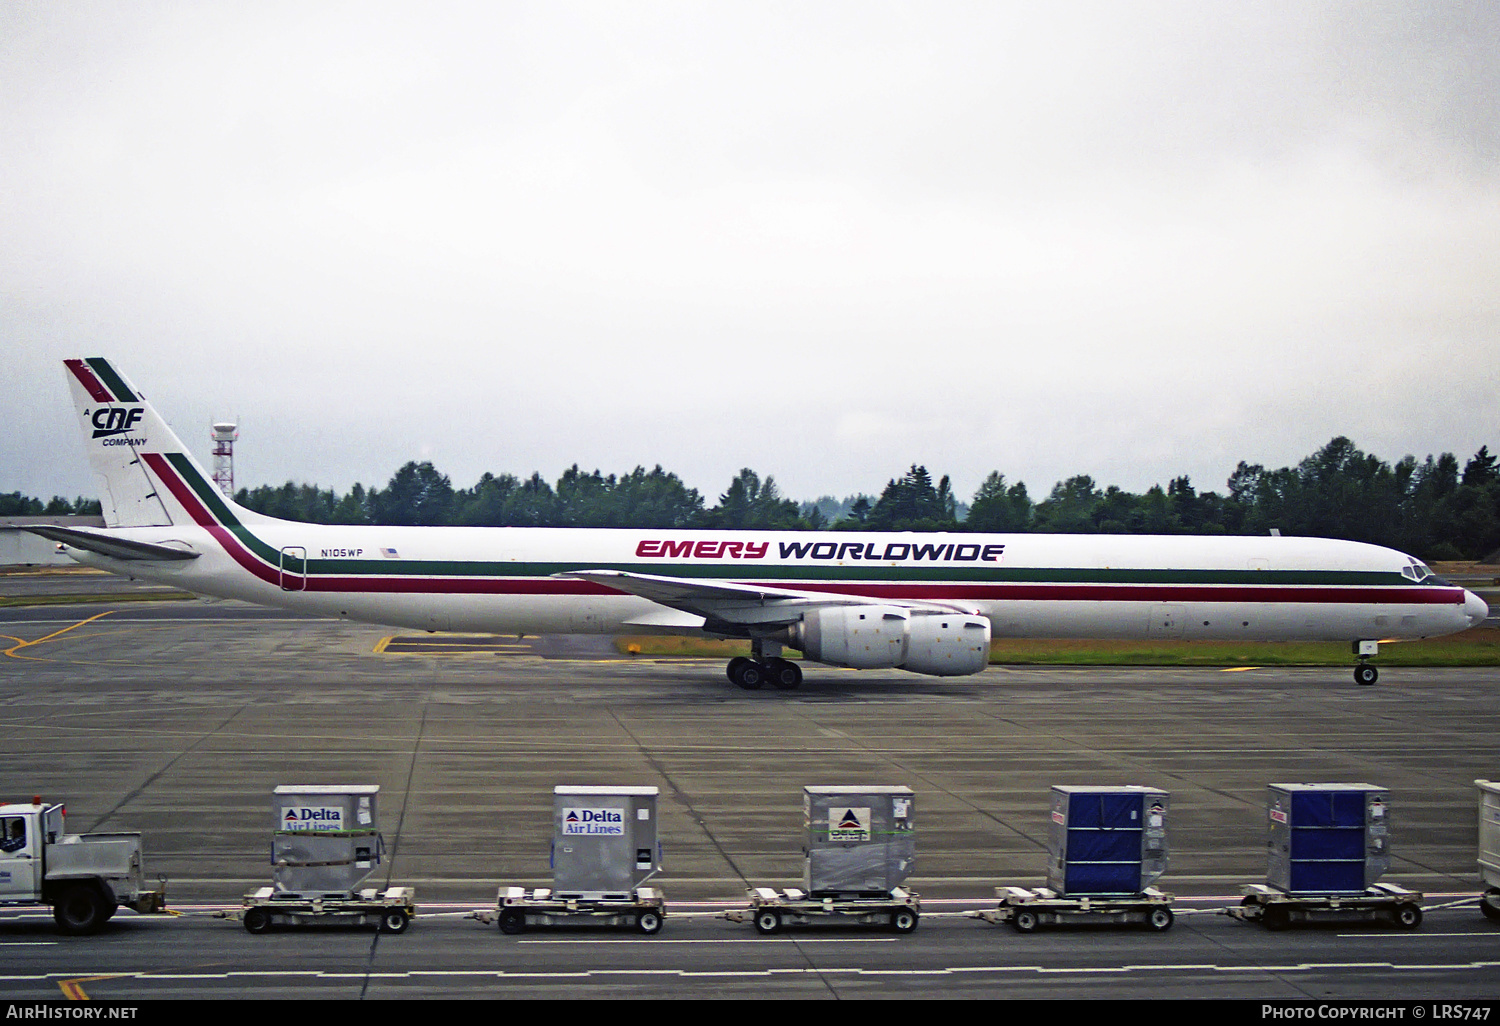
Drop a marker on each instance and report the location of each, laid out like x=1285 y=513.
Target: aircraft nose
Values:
x=1475 y=609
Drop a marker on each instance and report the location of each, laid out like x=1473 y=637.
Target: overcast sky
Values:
x=822 y=240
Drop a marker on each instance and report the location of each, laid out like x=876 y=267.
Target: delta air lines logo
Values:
x=593 y=822
x=849 y=825
x=312 y=818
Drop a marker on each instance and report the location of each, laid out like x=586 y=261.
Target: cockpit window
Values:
x=1415 y=570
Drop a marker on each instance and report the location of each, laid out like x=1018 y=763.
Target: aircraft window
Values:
x=1419 y=571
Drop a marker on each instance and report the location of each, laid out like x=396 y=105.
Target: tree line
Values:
x=14 y=504
x=1432 y=508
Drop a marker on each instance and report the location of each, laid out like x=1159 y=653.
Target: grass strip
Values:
x=1479 y=646
x=92 y=598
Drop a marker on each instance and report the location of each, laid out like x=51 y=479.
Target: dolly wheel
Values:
x=1160 y=919
x=1276 y=918
x=1407 y=916
x=767 y=921
x=257 y=920
x=395 y=921
x=1025 y=921
x=903 y=920
x=648 y=922
x=1489 y=904
x=512 y=921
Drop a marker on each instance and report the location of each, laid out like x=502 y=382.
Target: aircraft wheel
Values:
x=733 y=669
x=1160 y=919
x=751 y=675
x=1366 y=674
x=1408 y=916
x=785 y=674
x=1025 y=921
x=767 y=921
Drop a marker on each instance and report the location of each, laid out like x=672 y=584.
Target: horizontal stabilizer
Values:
x=107 y=544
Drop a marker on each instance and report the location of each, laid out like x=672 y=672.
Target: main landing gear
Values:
x=765 y=666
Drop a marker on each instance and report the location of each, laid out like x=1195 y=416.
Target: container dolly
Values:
x=1025 y=910
x=1489 y=848
x=1277 y=910
x=517 y=909
x=391 y=910
x=770 y=909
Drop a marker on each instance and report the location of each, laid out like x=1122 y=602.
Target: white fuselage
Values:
x=504 y=580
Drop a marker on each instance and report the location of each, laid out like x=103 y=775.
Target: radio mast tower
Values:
x=224 y=436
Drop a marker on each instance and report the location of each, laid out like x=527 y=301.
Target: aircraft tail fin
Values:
x=146 y=475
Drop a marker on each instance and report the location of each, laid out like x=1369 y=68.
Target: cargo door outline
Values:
x=292 y=568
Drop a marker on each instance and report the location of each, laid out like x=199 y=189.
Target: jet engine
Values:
x=882 y=637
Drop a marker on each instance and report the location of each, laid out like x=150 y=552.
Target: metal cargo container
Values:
x=604 y=840
x=1327 y=838
x=1489 y=832
x=859 y=839
x=1107 y=840
x=327 y=838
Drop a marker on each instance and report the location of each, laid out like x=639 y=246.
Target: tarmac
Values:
x=178 y=718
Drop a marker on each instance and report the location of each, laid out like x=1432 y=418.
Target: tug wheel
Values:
x=80 y=910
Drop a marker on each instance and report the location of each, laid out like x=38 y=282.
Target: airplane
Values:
x=927 y=603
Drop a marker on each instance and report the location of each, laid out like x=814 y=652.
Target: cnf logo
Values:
x=115 y=420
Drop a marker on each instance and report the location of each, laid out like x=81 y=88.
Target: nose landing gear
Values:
x=1364 y=671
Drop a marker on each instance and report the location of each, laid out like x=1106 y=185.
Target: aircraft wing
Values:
x=742 y=605
x=107 y=544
